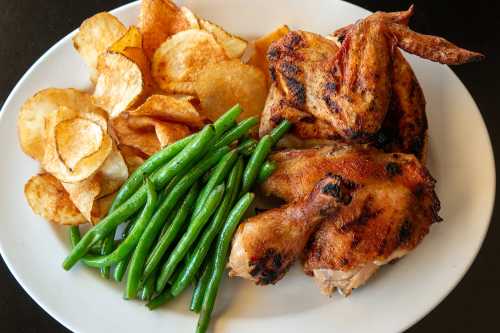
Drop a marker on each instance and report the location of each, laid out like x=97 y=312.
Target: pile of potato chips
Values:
x=152 y=85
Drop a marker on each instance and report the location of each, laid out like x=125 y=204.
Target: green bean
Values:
x=74 y=235
x=256 y=160
x=200 y=288
x=194 y=229
x=128 y=245
x=171 y=232
x=266 y=171
x=107 y=225
x=247 y=147
x=226 y=121
x=220 y=260
x=107 y=247
x=159 y=300
x=122 y=265
x=147 y=290
x=234 y=134
x=142 y=250
x=217 y=177
x=203 y=245
x=280 y=130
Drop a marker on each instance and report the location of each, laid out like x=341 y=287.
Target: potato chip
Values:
x=169 y=108
x=145 y=141
x=76 y=139
x=84 y=193
x=190 y=18
x=166 y=132
x=95 y=36
x=121 y=83
x=48 y=198
x=180 y=88
x=82 y=164
x=234 y=46
x=101 y=207
x=113 y=173
x=34 y=112
x=183 y=55
x=222 y=85
x=261 y=45
x=132 y=38
x=133 y=157
x=158 y=20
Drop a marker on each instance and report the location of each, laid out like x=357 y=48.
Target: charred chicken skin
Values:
x=265 y=246
x=362 y=91
x=392 y=206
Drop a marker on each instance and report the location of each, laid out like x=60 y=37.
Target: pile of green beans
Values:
x=180 y=210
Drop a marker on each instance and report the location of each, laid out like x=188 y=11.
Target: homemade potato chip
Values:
x=158 y=20
x=190 y=18
x=101 y=207
x=183 y=55
x=180 y=88
x=95 y=36
x=121 y=83
x=169 y=108
x=61 y=146
x=222 y=85
x=234 y=46
x=34 y=112
x=48 y=198
x=133 y=157
x=132 y=38
x=261 y=45
x=166 y=132
x=83 y=194
x=113 y=173
x=145 y=141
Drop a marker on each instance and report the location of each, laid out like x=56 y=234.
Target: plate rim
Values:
x=448 y=290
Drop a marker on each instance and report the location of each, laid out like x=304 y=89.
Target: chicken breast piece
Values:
x=392 y=208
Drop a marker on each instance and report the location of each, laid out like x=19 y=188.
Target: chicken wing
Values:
x=392 y=208
x=349 y=90
x=265 y=246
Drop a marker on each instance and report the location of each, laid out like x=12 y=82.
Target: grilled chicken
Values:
x=265 y=246
x=349 y=92
x=393 y=205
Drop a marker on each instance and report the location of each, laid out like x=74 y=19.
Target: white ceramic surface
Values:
x=460 y=159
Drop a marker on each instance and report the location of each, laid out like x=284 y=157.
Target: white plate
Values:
x=460 y=159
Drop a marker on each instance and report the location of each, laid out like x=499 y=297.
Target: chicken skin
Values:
x=392 y=205
x=266 y=245
x=346 y=93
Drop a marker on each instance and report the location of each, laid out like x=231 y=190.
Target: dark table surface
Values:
x=29 y=27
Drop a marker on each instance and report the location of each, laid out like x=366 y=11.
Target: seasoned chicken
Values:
x=392 y=207
x=347 y=92
x=265 y=246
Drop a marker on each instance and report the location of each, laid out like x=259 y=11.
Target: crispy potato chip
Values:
x=132 y=38
x=145 y=141
x=183 y=55
x=133 y=157
x=169 y=108
x=180 y=88
x=166 y=132
x=158 y=20
x=113 y=173
x=101 y=207
x=222 y=85
x=261 y=45
x=95 y=36
x=121 y=83
x=190 y=18
x=34 y=112
x=83 y=165
x=47 y=197
x=76 y=139
x=83 y=194
x=234 y=46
